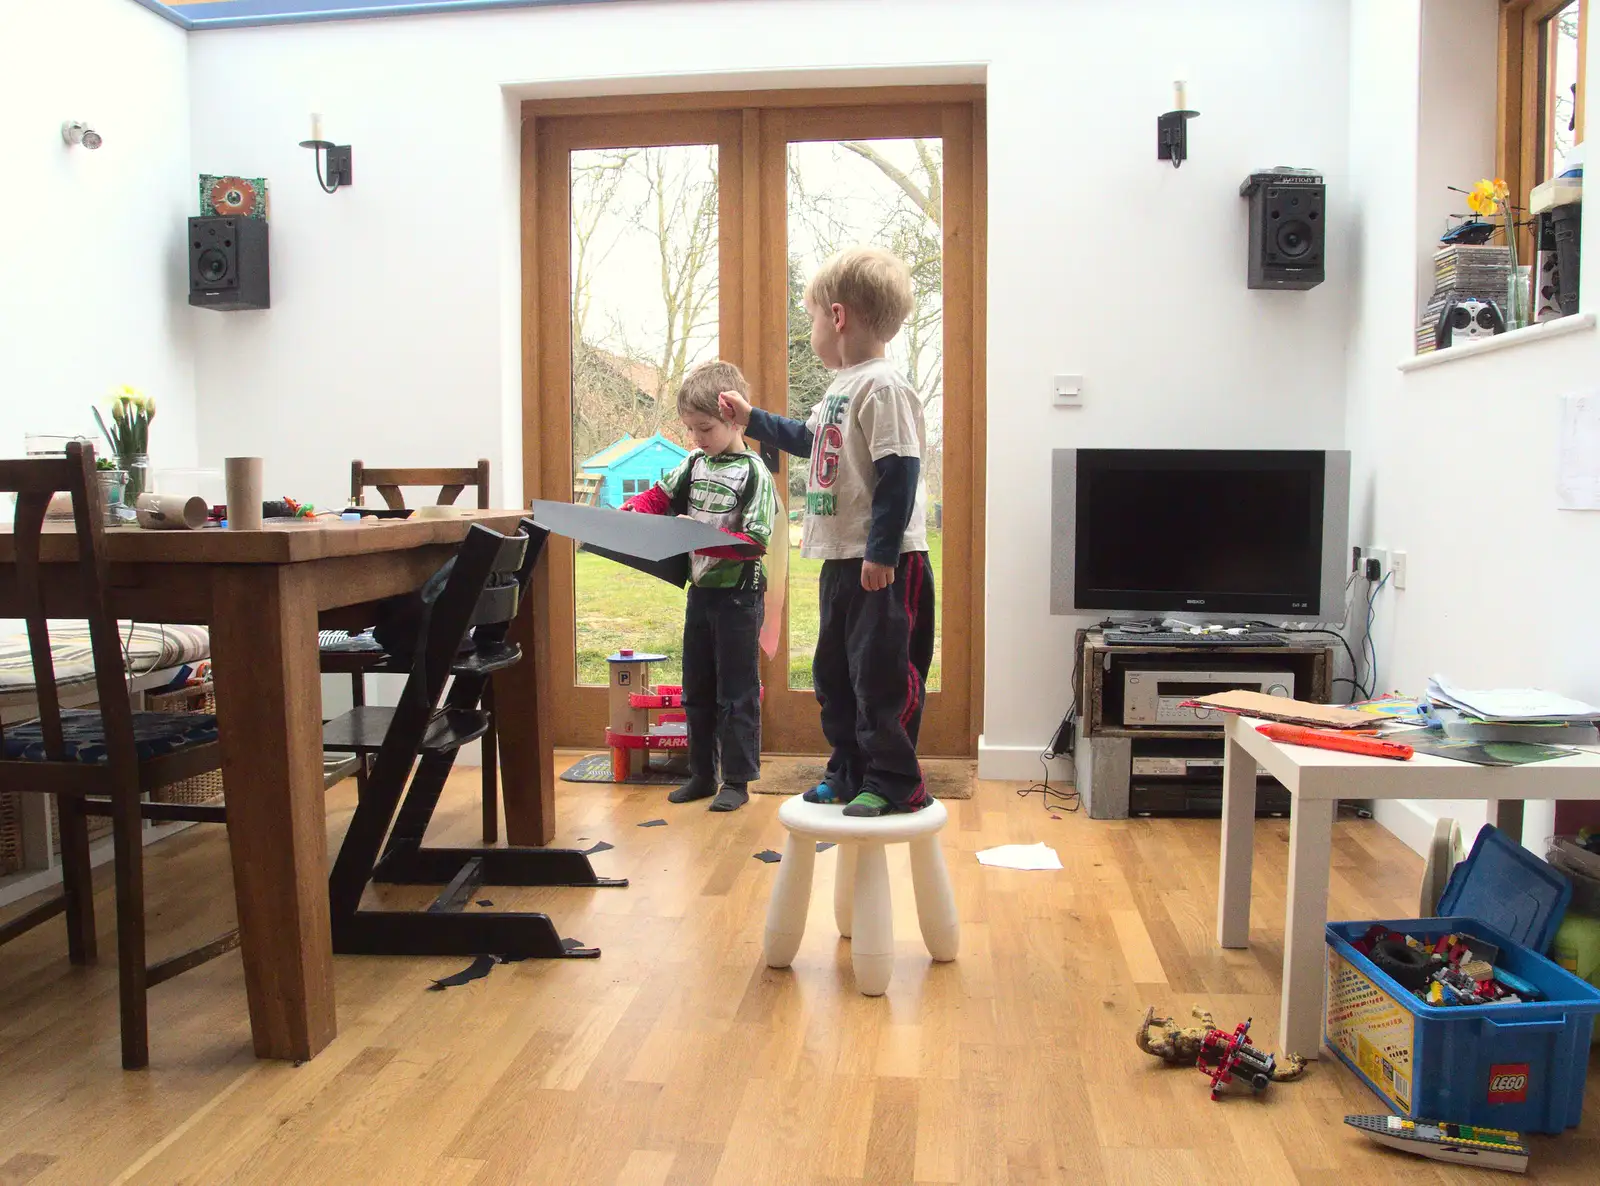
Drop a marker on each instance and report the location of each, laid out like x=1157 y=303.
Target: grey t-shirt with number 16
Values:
x=869 y=412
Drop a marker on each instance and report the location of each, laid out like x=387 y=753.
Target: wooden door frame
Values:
x=753 y=129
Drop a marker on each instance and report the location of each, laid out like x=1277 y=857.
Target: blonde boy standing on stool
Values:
x=865 y=521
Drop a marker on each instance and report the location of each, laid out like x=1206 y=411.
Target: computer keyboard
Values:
x=1181 y=638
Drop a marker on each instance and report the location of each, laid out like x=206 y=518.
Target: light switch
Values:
x=1068 y=391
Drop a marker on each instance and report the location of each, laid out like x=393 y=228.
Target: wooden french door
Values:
x=661 y=230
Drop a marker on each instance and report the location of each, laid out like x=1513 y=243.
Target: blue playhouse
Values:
x=631 y=466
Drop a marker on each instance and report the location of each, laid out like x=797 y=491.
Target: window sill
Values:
x=1506 y=341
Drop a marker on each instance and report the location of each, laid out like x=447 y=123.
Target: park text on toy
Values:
x=1464 y=1144
x=1222 y=1056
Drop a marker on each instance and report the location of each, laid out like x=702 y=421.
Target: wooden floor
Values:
x=678 y=1057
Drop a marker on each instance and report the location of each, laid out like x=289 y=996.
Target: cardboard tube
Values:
x=171 y=512
x=244 y=482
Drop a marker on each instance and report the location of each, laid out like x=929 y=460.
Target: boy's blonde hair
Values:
x=872 y=283
x=705 y=382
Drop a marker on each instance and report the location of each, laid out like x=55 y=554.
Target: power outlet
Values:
x=1398 y=568
x=1068 y=391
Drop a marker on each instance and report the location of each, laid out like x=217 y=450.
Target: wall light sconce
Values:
x=75 y=131
x=339 y=171
x=1172 y=129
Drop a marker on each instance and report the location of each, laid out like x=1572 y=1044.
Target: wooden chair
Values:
x=414 y=746
x=360 y=656
x=388 y=482
x=96 y=762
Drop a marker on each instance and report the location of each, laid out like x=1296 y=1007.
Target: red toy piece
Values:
x=1224 y=1057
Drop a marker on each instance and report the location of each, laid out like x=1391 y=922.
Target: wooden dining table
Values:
x=265 y=594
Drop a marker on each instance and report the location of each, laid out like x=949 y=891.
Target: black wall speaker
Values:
x=1287 y=228
x=228 y=263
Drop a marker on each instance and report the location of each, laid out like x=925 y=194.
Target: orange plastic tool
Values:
x=1372 y=747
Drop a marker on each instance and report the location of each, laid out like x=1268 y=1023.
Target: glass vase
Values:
x=113 y=484
x=1517 y=286
x=137 y=467
x=1517 y=279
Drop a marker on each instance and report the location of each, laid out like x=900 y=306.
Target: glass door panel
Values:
x=888 y=193
x=644 y=304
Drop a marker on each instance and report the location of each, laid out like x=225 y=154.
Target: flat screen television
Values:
x=1220 y=533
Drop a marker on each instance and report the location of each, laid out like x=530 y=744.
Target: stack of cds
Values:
x=1463 y=271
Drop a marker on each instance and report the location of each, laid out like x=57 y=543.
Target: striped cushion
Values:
x=149 y=648
x=344 y=643
x=154 y=734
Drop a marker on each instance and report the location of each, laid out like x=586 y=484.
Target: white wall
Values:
x=92 y=247
x=1455 y=464
x=392 y=332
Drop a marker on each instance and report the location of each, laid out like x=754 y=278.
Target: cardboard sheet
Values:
x=1281 y=708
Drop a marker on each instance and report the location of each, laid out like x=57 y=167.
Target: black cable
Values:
x=1065 y=732
x=1372 y=617
x=1355 y=668
x=1069 y=798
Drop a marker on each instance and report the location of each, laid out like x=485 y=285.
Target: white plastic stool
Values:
x=861 y=904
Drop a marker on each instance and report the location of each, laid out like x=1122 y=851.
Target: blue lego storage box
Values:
x=1519 y=1066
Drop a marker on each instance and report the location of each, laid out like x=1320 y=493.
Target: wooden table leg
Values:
x=1305 y=917
x=1238 y=845
x=264 y=641
x=526 y=752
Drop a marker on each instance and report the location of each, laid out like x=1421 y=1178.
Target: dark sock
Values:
x=698 y=787
x=823 y=792
x=731 y=797
x=868 y=804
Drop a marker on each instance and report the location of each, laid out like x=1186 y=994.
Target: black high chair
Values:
x=414 y=746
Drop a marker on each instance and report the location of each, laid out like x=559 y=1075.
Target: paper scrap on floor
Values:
x=1021 y=856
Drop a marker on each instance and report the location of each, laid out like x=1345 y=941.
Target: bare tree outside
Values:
x=1563 y=64
x=644 y=287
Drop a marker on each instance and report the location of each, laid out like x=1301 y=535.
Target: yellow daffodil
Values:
x=129 y=431
x=1485 y=197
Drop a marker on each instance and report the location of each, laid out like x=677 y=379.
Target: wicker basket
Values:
x=10 y=834
x=201 y=788
x=194 y=698
x=99 y=828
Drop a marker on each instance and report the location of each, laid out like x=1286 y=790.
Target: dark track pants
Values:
x=870 y=671
x=722 y=681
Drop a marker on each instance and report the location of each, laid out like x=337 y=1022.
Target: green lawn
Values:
x=619 y=607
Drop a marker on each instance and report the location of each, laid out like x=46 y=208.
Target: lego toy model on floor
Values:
x=1463 y=1144
x=630 y=735
x=1222 y=1056
x=1229 y=1057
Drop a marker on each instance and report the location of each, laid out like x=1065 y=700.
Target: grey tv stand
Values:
x=1104 y=745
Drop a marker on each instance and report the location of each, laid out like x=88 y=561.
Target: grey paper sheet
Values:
x=648 y=537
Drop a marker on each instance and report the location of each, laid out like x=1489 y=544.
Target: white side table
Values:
x=1317 y=779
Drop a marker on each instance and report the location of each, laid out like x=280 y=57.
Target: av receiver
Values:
x=1155 y=699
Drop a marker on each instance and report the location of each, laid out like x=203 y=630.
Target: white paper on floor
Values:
x=1021 y=856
